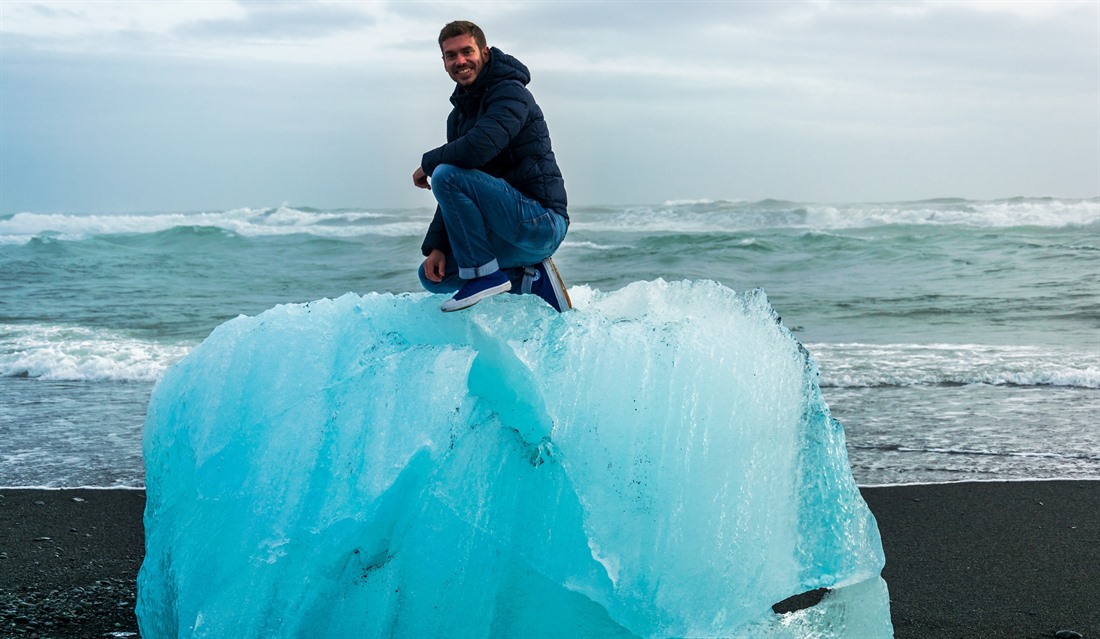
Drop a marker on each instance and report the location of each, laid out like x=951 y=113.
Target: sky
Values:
x=218 y=104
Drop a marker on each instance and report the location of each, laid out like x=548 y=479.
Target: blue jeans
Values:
x=491 y=226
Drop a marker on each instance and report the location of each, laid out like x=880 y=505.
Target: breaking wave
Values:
x=73 y=353
x=871 y=365
x=683 y=216
x=284 y=220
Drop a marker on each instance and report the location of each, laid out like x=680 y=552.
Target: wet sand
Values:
x=998 y=559
x=1002 y=559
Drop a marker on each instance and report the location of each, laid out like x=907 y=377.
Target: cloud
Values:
x=54 y=20
x=646 y=101
x=330 y=33
x=277 y=20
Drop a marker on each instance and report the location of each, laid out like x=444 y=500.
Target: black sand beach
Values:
x=69 y=561
x=1017 y=559
x=1006 y=560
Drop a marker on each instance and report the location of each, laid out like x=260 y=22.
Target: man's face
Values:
x=463 y=60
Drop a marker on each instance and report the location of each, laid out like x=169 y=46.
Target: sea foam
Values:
x=687 y=217
x=853 y=365
x=74 y=353
x=248 y=222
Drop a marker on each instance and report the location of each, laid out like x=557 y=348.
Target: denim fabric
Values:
x=452 y=282
x=490 y=224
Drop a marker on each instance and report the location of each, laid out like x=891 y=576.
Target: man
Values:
x=502 y=203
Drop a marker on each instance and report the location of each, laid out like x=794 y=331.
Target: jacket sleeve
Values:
x=436 y=237
x=505 y=111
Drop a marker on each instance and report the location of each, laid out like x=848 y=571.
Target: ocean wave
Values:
x=593 y=246
x=725 y=216
x=1017 y=212
x=284 y=220
x=73 y=353
x=854 y=365
x=679 y=216
x=977 y=452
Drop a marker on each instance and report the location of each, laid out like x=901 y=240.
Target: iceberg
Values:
x=658 y=462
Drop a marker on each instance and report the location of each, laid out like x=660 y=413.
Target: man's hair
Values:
x=462 y=27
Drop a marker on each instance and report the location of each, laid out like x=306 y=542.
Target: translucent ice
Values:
x=656 y=463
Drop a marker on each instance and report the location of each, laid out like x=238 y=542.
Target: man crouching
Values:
x=501 y=198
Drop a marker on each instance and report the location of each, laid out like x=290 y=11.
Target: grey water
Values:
x=956 y=339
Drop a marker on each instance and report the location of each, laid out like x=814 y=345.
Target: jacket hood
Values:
x=504 y=67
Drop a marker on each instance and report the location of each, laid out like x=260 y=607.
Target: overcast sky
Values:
x=216 y=104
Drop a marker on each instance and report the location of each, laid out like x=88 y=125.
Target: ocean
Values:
x=957 y=339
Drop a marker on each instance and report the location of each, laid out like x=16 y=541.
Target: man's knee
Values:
x=444 y=175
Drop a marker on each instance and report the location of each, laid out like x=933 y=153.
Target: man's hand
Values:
x=434 y=265
x=420 y=179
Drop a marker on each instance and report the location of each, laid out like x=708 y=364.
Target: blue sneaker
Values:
x=475 y=290
x=543 y=280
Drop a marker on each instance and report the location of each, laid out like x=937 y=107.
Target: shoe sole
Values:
x=452 y=304
x=558 y=285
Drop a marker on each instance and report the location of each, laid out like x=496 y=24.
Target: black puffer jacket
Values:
x=497 y=127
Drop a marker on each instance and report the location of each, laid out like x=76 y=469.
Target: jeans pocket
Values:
x=539 y=233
